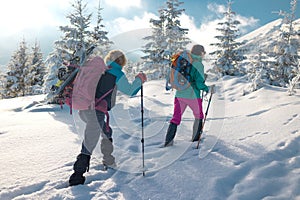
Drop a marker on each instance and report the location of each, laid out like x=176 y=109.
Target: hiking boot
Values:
x=170 y=134
x=112 y=166
x=76 y=179
x=81 y=166
x=197 y=130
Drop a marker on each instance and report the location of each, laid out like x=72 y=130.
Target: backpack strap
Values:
x=107 y=121
x=98 y=100
x=102 y=106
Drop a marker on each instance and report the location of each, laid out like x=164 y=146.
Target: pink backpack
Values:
x=85 y=84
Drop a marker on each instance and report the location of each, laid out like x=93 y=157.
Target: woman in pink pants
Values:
x=190 y=97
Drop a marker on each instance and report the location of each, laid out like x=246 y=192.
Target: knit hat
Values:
x=197 y=49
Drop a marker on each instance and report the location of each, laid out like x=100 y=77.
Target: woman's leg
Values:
x=94 y=123
x=91 y=137
x=196 y=106
x=107 y=147
x=179 y=108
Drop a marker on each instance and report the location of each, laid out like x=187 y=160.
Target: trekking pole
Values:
x=142 y=140
x=206 y=112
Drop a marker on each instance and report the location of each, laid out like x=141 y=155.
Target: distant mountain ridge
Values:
x=265 y=37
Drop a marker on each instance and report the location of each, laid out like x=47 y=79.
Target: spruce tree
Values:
x=168 y=38
x=155 y=58
x=53 y=62
x=294 y=83
x=259 y=72
x=77 y=38
x=2 y=80
x=36 y=71
x=175 y=34
x=229 y=52
x=286 y=51
x=99 y=36
x=14 y=85
x=76 y=34
x=74 y=38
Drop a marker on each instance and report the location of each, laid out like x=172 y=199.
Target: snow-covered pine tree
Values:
x=175 y=34
x=229 y=52
x=288 y=30
x=168 y=37
x=155 y=59
x=14 y=85
x=36 y=71
x=53 y=62
x=99 y=35
x=259 y=73
x=286 y=50
x=294 y=83
x=76 y=37
x=2 y=79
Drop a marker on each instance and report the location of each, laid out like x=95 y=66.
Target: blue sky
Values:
x=39 y=19
x=259 y=9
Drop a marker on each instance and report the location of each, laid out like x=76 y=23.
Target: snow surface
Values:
x=265 y=38
x=251 y=149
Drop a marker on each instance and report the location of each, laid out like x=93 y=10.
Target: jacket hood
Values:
x=196 y=57
x=114 y=65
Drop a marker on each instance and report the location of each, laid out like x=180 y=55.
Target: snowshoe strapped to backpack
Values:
x=66 y=75
x=179 y=75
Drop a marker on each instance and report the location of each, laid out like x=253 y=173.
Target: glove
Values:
x=212 y=89
x=142 y=76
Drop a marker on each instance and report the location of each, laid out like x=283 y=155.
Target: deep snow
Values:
x=250 y=149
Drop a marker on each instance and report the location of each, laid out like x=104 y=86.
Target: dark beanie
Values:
x=197 y=49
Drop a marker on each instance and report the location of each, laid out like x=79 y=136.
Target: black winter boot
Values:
x=81 y=166
x=197 y=129
x=170 y=134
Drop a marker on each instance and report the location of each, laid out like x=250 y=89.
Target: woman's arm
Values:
x=198 y=74
x=127 y=88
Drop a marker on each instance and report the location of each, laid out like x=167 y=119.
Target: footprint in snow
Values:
x=290 y=120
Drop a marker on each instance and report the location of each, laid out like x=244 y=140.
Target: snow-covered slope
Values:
x=265 y=37
x=250 y=149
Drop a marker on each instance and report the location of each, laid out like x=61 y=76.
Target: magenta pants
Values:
x=180 y=105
